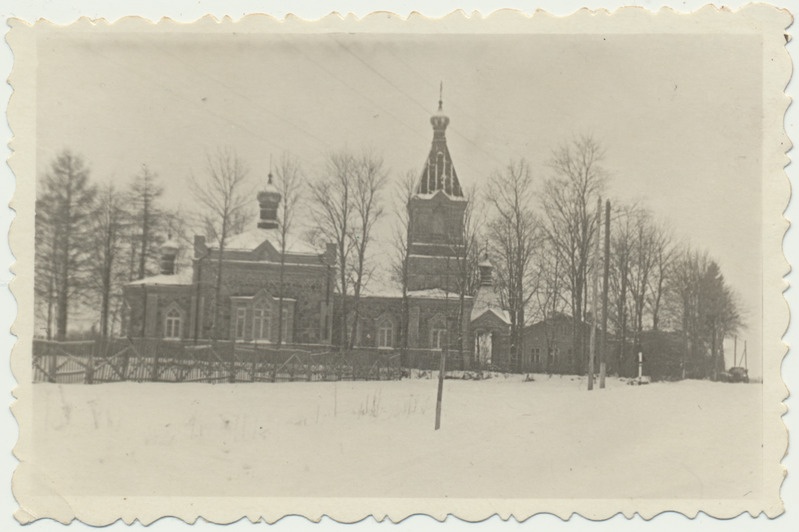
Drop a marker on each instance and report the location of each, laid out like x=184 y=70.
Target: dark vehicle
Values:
x=736 y=374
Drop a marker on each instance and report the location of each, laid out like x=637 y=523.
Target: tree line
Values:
x=546 y=251
x=538 y=230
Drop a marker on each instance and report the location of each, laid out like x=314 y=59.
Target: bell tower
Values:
x=436 y=215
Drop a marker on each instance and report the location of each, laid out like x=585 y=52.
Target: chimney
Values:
x=330 y=254
x=268 y=201
x=200 y=248
x=486 y=271
x=169 y=253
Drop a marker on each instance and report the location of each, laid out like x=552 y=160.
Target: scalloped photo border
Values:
x=766 y=21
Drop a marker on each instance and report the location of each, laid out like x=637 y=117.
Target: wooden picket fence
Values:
x=140 y=360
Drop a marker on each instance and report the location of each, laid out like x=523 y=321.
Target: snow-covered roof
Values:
x=487 y=299
x=252 y=239
x=182 y=277
x=504 y=315
x=392 y=290
x=431 y=196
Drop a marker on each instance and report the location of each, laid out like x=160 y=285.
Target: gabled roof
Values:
x=254 y=238
x=181 y=278
x=487 y=299
x=503 y=315
x=392 y=290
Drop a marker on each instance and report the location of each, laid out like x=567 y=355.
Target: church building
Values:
x=180 y=305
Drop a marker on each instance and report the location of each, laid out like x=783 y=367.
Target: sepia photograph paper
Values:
x=471 y=266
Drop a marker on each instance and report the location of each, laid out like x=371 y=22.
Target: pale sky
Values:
x=682 y=130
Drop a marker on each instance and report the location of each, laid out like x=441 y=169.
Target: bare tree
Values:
x=465 y=251
x=222 y=193
x=369 y=180
x=707 y=309
x=568 y=199
x=642 y=264
x=400 y=259
x=549 y=298
x=289 y=182
x=332 y=208
x=145 y=192
x=664 y=253
x=109 y=224
x=622 y=236
x=514 y=233
x=63 y=213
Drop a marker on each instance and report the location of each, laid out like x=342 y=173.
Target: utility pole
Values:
x=735 y=351
x=442 y=367
x=605 y=278
x=746 y=359
x=594 y=290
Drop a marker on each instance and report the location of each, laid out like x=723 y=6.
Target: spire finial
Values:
x=269 y=177
x=441 y=95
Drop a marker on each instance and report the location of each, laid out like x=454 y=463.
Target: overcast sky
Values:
x=679 y=116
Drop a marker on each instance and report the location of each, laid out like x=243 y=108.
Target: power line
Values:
x=242 y=95
x=207 y=109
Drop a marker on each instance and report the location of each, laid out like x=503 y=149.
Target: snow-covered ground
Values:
x=501 y=437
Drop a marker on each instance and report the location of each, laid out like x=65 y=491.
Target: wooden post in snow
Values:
x=605 y=278
x=735 y=351
x=746 y=358
x=441 y=369
x=443 y=363
x=640 y=366
x=594 y=289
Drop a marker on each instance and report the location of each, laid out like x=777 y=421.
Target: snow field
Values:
x=501 y=437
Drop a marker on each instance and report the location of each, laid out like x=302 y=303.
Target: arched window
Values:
x=440 y=170
x=385 y=333
x=172 y=324
x=241 y=321
x=261 y=322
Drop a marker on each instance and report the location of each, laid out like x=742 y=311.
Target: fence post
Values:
x=94 y=350
x=125 y=363
x=156 y=362
x=53 y=364
x=232 y=370
x=254 y=360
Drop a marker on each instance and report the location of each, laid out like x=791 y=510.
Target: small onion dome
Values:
x=270 y=193
x=439 y=120
x=170 y=247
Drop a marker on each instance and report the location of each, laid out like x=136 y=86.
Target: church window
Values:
x=241 y=320
x=285 y=323
x=438 y=223
x=385 y=334
x=261 y=322
x=440 y=170
x=438 y=333
x=172 y=324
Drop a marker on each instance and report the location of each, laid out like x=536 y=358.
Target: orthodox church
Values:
x=180 y=304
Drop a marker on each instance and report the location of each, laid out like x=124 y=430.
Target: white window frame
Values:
x=173 y=324
x=241 y=323
x=438 y=337
x=261 y=322
x=285 y=322
x=385 y=334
